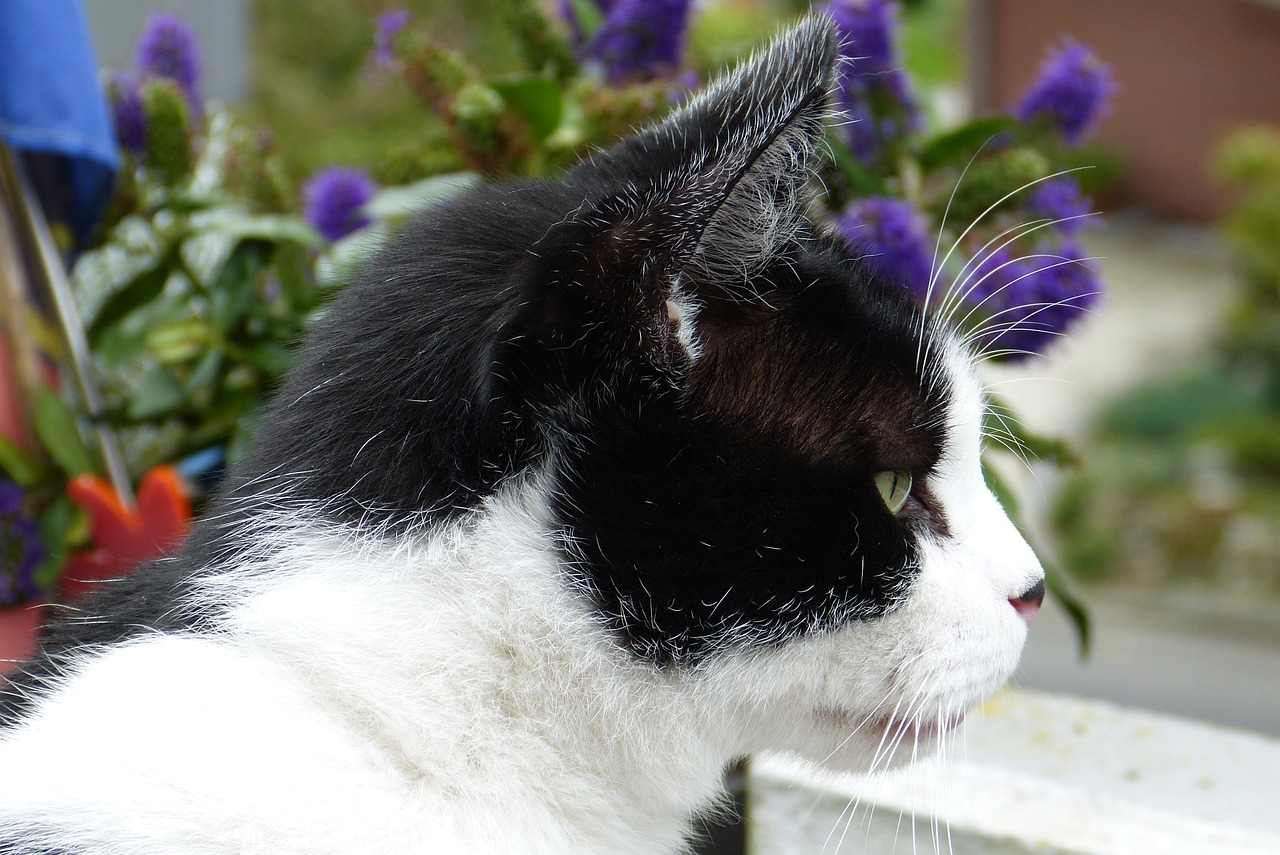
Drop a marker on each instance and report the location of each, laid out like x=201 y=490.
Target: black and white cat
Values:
x=585 y=489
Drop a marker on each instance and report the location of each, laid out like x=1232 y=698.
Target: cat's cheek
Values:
x=879 y=693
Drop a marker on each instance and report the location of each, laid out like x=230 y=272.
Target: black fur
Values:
x=702 y=502
x=740 y=507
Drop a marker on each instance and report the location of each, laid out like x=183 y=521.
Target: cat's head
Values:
x=761 y=463
x=770 y=460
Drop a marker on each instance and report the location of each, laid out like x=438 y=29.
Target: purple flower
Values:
x=21 y=550
x=640 y=39
x=1070 y=94
x=683 y=87
x=389 y=26
x=867 y=31
x=875 y=91
x=168 y=48
x=1021 y=305
x=990 y=286
x=876 y=117
x=127 y=113
x=1061 y=201
x=333 y=201
x=861 y=132
x=890 y=235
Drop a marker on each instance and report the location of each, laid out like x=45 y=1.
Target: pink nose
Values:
x=1028 y=603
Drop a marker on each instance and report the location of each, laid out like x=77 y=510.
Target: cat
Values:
x=584 y=488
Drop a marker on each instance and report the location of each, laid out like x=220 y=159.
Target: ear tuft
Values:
x=695 y=207
x=723 y=184
x=778 y=102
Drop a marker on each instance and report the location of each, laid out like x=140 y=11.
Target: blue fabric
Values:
x=51 y=101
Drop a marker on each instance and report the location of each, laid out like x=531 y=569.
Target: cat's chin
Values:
x=860 y=743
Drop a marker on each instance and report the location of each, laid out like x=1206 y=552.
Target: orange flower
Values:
x=124 y=538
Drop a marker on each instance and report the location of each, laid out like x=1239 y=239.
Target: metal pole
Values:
x=30 y=216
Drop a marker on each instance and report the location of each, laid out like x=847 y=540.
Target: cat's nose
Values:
x=1028 y=602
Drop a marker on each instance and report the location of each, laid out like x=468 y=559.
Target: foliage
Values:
x=1183 y=483
x=199 y=285
x=197 y=295
x=207 y=275
x=981 y=222
x=1250 y=161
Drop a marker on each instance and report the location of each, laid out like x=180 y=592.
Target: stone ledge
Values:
x=1042 y=773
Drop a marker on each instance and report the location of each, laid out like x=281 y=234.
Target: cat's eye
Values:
x=894 y=487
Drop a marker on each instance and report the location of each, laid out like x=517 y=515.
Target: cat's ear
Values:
x=731 y=171
x=710 y=196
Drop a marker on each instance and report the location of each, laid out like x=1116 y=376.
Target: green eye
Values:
x=894 y=487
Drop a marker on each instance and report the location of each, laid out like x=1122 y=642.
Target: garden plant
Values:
x=211 y=263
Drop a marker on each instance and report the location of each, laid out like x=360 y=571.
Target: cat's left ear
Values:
x=705 y=200
x=731 y=170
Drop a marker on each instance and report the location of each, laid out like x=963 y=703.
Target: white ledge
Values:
x=1034 y=772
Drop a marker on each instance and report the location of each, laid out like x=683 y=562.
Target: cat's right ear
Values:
x=701 y=203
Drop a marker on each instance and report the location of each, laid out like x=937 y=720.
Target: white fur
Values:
x=852 y=698
x=449 y=694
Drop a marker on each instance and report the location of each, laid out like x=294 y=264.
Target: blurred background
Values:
x=1168 y=524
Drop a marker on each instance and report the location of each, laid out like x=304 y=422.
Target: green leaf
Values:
x=57 y=524
x=1054 y=578
x=272 y=228
x=185 y=201
x=56 y=426
x=1062 y=592
x=292 y=268
x=119 y=344
x=272 y=357
x=538 y=100
x=232 y=291
x=589 y=16
x=142 y=289
x=862 y=181
x=226 y=414
x=23 y=469
x=156 y=396
x=203 y=376
x=1037 y=446
x=999 y=422
x=242 y=435
x=1050 y=449
x=961 y=144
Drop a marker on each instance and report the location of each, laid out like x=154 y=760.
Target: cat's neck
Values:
x=466 y=662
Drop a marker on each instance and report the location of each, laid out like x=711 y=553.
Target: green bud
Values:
x=990 y=180
x=430 y=67
x=168 y=152
x=477 y=109
x=543 y=47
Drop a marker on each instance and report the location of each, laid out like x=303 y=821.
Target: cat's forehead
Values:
x=840 y=372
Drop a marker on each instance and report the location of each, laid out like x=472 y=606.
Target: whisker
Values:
x=934 y=267
x=1025 y=323
x=1024 y=320
x=958 y=292
x=1058 y=261
x=993 y=206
